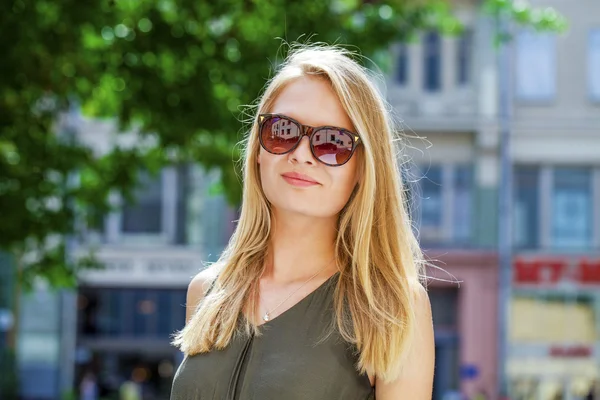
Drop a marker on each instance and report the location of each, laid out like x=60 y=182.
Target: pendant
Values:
x=266 y=317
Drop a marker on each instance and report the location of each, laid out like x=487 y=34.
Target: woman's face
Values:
x=310 y=101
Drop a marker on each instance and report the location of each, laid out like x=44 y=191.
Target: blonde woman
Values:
x=318 y=295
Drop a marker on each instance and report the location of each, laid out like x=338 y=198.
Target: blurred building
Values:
x=117 y=324
x=555 y=314
x=151 y=250
x=446 y=90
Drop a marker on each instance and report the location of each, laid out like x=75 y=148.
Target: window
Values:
x=170 y=311
x=151 y=218
x=144 y=311
x=431 y=203
x=526 y=206
x=444 y=309
x=594 y=64
x=442 y=204
x=144 y=215
x=402 y=66
x=210 y=220
x=123 y=312
x=563 y=197
x=572 y=211
x=432 y=48
x=409 y=189
x=463 y=57
x=463 y=204
x=535 y=66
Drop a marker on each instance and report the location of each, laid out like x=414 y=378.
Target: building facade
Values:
x=555 y=312
x=117 y=324
x=127 y=312
x=443 y=90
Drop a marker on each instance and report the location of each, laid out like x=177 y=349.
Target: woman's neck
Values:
x=299 y=248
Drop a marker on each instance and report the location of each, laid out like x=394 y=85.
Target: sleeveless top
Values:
x=284 y=363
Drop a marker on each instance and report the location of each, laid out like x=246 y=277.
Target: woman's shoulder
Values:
x=199 y=286
x=202 y=281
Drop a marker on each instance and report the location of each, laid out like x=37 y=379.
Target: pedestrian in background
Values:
x=88 y=388
x=130 y=389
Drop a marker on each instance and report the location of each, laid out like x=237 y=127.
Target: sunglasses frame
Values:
x=309 y=131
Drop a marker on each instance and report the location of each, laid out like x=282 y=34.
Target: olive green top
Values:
x=284 y=363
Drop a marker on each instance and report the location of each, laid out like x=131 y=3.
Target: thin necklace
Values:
x=267 y=315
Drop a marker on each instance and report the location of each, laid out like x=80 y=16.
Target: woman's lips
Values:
x=298 y=182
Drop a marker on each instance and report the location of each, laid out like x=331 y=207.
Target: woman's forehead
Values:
x=313 y=102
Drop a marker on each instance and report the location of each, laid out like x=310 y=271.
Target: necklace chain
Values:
x=267 y=315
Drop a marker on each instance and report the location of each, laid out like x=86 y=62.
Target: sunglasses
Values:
x=280 y=134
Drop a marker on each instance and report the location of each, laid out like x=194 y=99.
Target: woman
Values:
x=318 y=294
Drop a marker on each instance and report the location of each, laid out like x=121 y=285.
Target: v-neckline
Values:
x=298 y=303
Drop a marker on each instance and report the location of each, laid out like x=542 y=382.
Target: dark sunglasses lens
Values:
x=279 y=135
x=332 y=146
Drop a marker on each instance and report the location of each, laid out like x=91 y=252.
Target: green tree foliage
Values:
x=179 y=71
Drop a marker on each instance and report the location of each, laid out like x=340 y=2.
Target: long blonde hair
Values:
x=378 y=256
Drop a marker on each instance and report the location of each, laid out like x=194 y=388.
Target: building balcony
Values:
x=455 y=111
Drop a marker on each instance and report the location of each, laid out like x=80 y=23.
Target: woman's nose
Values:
x=302 y=153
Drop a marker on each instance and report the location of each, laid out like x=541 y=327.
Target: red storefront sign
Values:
x=573 y=351
x=589 y=271
x=548 y=270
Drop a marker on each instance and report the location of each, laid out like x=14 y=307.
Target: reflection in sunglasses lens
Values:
x=332 y=146
x=279 y=135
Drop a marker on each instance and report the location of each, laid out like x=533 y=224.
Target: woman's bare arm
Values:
x=416 y=382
